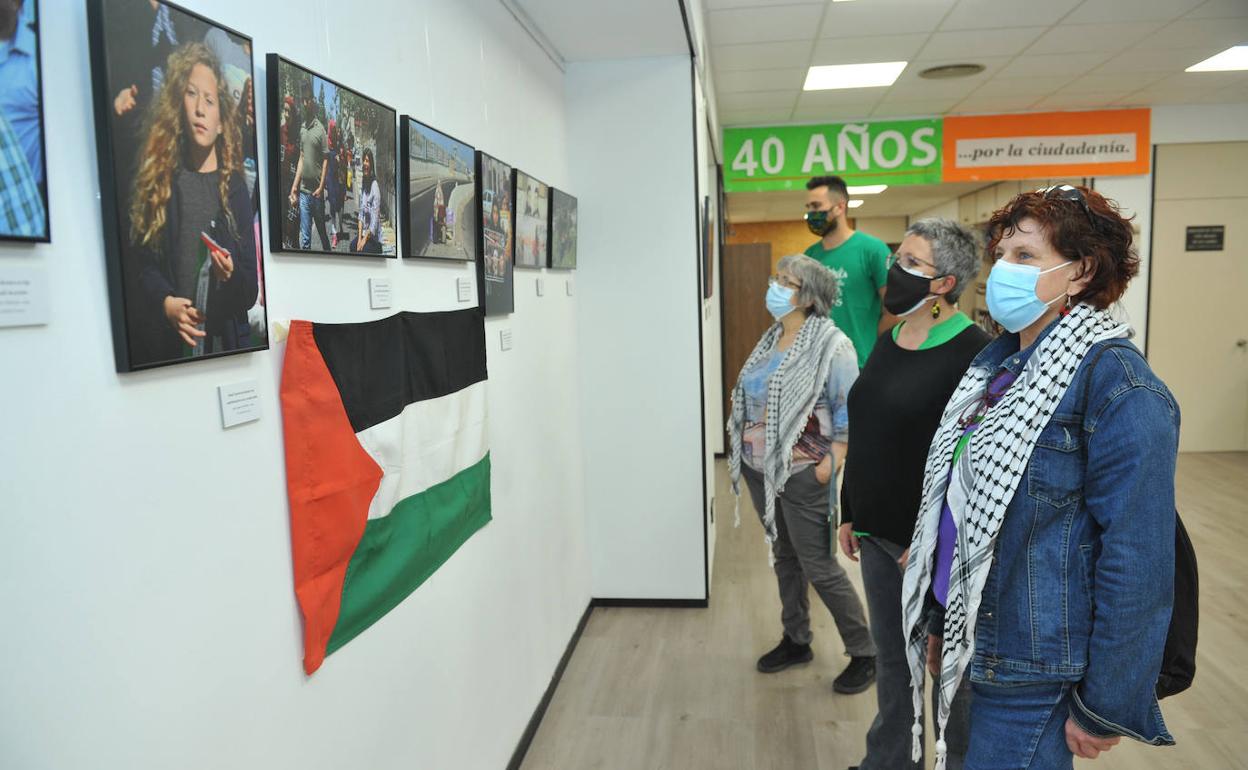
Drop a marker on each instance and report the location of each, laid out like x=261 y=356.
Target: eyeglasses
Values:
x=910 y=262
x=1065 y=192
x=784 y=281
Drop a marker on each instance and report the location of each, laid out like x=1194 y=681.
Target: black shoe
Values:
x=787 y=653
x=856 y=677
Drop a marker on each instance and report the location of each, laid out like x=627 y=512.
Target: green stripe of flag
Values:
x=400 y=551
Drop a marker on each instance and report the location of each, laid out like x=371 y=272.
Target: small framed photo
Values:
x=532 y=221
x=332 y=170
x=23 y=169
x=175 y=124
x=562 y=230
x=437 y=182
x=495 y=277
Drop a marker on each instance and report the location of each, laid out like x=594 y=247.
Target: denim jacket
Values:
x=1080 y=590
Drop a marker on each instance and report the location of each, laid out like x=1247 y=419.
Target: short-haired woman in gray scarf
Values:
x=788 y=437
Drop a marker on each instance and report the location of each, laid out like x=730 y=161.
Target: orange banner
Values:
x=1046 y=145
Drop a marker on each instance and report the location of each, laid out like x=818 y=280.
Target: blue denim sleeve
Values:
x=1129 y=492
x=841 y=377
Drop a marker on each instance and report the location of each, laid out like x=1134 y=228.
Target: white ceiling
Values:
x=1038 y=54
x=894 y=202
x=594 y=29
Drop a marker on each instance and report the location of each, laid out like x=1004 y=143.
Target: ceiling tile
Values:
x=1128 y=81
x=759 y=80
x=1197 y=82
x=1142 y=59
x=883 y=17
x=1081 y=38
x=1065 y=101
x=919 y=109
x=1219 y=9
x=986 y=14
x=754 y=117
x=852 y=50
x=834 y=113
x=1214 y=34
x=1029 y=65
x=717 y=5
x=841 y=96
x=1033 y=87
x=991 y=104
x=763 y=25
x=968 y=45
x=757 y=100
x=731 y=58
x=1109 y=11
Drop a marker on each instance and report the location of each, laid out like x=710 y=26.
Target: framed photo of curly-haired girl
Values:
x=175 y=121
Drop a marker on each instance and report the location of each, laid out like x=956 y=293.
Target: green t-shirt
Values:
x=860 y=265
x=312 y=144
x=941 y=332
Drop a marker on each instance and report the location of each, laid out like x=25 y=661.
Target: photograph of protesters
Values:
x=178 y=155
x=439 y=184
x=495 y=272
x=324 y=136
x=532 y=221
x=563 y=230
x=23 y=185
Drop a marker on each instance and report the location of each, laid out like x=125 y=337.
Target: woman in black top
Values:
x=894 y=409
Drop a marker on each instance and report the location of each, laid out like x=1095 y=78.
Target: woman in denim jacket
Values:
x=1045 y=531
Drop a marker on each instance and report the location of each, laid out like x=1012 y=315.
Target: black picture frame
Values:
x=533 y=213
x=143 y=337
x=281 y=176
x=496 y=290
x=31 y=192
x=461 y=228
x=563 y=230
x=708 y=277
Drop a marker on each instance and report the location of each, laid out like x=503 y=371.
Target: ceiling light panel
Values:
x=833 y=76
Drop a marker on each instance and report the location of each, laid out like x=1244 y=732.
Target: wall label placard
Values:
x=1206 y=238
x=541 y=287
x=240 y=403
x=463 y=287
x=504 y=339
x=23 y=296
x=380 y=293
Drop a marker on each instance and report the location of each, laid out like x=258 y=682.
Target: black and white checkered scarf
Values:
x=792 y=391
x=979 y=491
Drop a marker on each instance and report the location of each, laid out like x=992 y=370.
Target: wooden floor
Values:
x=651 y=689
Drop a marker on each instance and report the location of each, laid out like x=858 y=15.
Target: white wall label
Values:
x=379 y=293
x=568 y=285
x=541 y=287
x=504 y=339
x=464 y=287
x=240 y=403
x=23 y=296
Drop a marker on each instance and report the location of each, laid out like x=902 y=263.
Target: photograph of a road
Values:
x=441 y=195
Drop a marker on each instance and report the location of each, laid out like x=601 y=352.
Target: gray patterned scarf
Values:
x=979 y=491
x=792 y=391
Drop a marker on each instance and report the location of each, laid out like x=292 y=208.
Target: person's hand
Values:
x=184 y=319
x=294 y=199
x=1081 y=744
x=904 y=559
x=823 y=470
x=125 y=100
x=933 y=654
x=222 y=264
x=849 y=542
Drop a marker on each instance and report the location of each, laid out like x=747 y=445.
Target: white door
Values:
x=1198 y=309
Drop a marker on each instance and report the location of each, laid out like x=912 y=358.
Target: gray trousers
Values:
x=888 y=740
x=804 y=554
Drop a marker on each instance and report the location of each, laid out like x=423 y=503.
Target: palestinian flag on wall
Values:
x=387 y=462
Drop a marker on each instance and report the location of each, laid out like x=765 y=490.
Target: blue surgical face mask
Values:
x=779 y=301
x=1011 y=294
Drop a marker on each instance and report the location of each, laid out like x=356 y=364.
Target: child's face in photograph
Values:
x=203 y=109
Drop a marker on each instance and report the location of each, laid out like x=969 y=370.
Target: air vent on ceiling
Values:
x=947 y=71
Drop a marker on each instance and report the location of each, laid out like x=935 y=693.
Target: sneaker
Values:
x=787 y=653
x=856 y=677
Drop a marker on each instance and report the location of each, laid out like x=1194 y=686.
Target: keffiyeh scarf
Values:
x=979 y=491
x=792 y=391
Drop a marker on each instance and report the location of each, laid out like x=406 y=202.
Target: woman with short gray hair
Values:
x=788 y=434
x=894 y=409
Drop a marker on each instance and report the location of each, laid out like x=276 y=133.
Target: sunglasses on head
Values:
x=1065 y=192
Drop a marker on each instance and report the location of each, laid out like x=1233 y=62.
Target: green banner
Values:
x=893 y=152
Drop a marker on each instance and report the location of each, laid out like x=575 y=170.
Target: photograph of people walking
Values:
x=23 y=191
x=532 y=222
x=332 y=166
x=495 y=274
x=438 y=176
x=175 y=128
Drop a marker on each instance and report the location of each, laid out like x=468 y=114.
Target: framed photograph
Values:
x=495 y=278
x=23 y=170
x=175 y=125
x=708 y=249
x=332 y=170
x=437 y=179
x=532 y=221
x=562 y=230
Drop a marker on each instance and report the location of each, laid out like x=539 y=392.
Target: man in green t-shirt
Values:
x=859 y=262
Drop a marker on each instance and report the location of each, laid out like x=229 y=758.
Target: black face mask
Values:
x=906 y=291
x=819 y=222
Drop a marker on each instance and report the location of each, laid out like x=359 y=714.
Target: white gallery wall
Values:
x=145 y=569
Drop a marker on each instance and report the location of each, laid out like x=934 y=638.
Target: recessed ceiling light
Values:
x=842 y=1
x=867 y=189
x=829 y=76
x=950 y=71
x=856 y=203
x=1233 y=58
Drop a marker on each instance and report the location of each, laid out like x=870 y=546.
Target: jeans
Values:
x=1019 y=727
x=888 y=740
x=311 y=210
x=804 y=554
